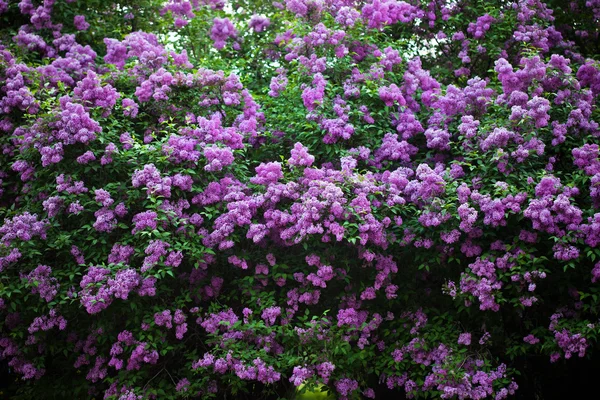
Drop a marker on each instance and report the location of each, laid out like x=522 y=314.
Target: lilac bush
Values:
x=211 y=199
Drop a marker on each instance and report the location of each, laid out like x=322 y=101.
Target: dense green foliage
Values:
x=238 y=199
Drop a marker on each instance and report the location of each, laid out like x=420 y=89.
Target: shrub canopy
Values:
x=211 y=198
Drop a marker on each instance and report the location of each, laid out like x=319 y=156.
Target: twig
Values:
x=172 y=380
x=158 y=373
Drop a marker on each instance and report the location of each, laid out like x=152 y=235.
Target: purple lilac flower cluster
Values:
x=380 y=180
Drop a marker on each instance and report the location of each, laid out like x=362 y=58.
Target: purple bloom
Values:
x=259 y=23
x=267 y=173
x=75 y=125
x=120 y=254
x=130 y=108
x=150 y=177
x=222 y=30
x=103 y=197
x=23 y=227
x=313 y=96
x=182 y=385
x=391 y=95
x=300 y=375
x=222 y=320
x=217 y=158
x=75 y=208
x=86 y=157
x=105 y=220
x=78 y=255
x=95 y=296
x=53 y=205
x=92 y=94
x=183 y=182
x=346 y=386
x=80 y=23
x=124 y=282
x=42 y=283
x=481 y=26
x=270 y=314
x=531 y=339
x=300 y=156
x=155 y=250
x=174 y=259
x=324 y=370
x=143 y=220
x=464 y=338
x=164 y=318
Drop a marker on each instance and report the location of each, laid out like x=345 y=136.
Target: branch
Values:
x=158 y=373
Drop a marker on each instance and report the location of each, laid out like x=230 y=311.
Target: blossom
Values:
x=42 y=283
x=531 y=339
x=80 y=23
x=217 y=158
x=221 y=30
x=270 y=314
x=346 y=386
x=300 y=375
x=23 y=227
x=130 y=107
x=267 y=173
x=259 y=23
x=464 y=338
x=287 y=202
x=143 y=220
x=300 y=156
